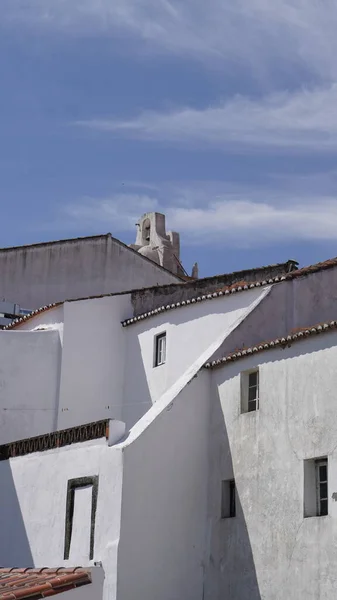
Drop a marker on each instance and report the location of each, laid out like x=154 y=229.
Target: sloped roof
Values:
x=296 y=335
x=18 y=584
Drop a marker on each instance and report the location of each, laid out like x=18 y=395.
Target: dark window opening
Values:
x=228 y=494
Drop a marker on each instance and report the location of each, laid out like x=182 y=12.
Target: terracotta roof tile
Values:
x=295 y=335
x=18 y=584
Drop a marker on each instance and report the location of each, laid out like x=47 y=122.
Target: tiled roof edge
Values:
x=39 y=583
x=34 y=313
x=280 y=342
x=56 y=439
x=305 y=271
x=226 y=292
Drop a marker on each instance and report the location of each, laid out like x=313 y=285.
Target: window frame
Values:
x=159 y=353
x=73 y=485
x=321 y=462
x=315 y=504
x=247 y=404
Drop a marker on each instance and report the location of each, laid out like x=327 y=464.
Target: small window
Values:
x=322 y=487
x=316 y=487
x=228 y=508
x=250 y=391
x=160 y=350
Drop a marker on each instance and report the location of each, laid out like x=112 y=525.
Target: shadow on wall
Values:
x=136 y=398
x=229 y=566
x=14 y=545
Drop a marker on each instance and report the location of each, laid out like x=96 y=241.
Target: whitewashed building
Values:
x=178 y=442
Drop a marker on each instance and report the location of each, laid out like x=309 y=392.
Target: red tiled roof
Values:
x=18 y=584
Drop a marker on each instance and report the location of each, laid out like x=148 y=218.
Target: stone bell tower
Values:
x=153 y=242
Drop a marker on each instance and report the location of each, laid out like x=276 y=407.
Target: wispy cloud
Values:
x=305 y=120
x=243 y=218
x=254 y=32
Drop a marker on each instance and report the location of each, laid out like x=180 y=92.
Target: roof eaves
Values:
x=238 y=287
x=280 y=342
x=223 y=292
x=56 y=439
x=34 y=313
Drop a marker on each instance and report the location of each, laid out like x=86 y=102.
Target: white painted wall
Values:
x=269 y=550
x=165 y=502
x=29 y=383
x=51 y=319
x=93 y=360
x=190 y=330
x=33 y=507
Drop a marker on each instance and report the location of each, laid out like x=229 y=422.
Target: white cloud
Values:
x=243 y=219
x=305 y=120
x=254 y=32
x=121 y=210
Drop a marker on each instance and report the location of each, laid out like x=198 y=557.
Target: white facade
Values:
x=159 y=531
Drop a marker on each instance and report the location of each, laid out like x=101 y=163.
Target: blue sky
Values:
x=222 y=115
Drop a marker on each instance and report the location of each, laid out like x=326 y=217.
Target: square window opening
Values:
x=160 y=349
x=316 y=487
x=228 y=496
x=250 y=391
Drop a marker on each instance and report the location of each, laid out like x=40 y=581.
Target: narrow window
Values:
x=322 y=487
x=79 y=492
x=160 y=349
x=249 y=391
x=228 y=508
x=316 y=487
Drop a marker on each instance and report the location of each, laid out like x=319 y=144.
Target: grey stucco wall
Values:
x=269 y=550
x=145 y=300
x=33 y=276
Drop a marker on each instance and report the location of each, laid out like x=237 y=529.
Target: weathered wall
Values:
x=29 y=383
x=301 y=302
x=269 y=550
x=145 y=300
x=33 y=507
x=93 y=360
x=33 y=276
x=165 y=502
x=189 y=331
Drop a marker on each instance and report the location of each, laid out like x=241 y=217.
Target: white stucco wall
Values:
x=269 y=550
x=165 y=502
x=29 y=383
x=33 y=276
x=33 y=507
x=93 y=360
x=51 y=319
x=189 y=332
